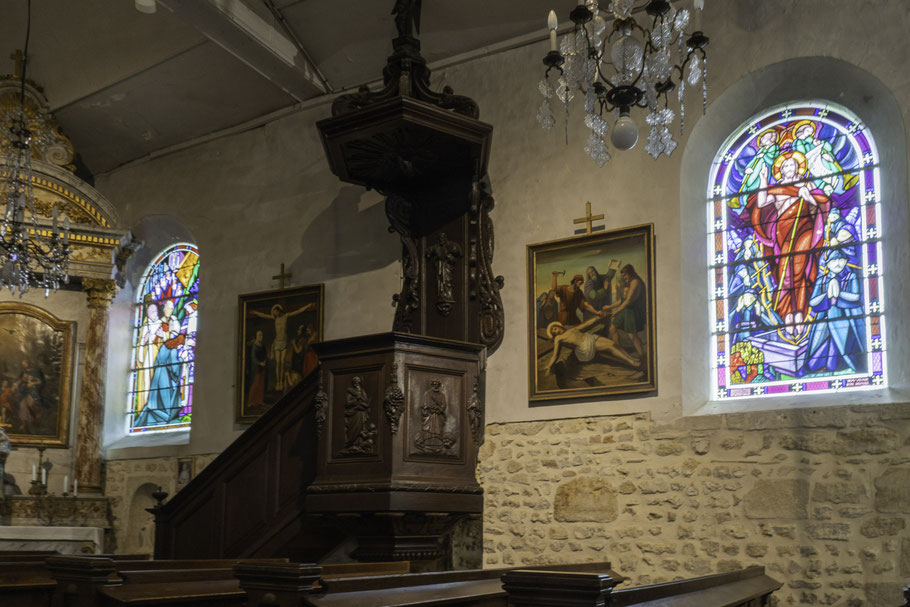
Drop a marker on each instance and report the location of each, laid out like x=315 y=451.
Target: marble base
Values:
x=65 y=540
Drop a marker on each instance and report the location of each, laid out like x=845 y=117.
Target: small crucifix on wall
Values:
x=281 y=277
x=588 y=219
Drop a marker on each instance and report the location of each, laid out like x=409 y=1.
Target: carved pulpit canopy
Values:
x=428 y=153
x=100 y=247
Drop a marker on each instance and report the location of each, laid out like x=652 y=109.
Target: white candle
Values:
x=44 y=476
x=34 y=472
x=552 y=24
x=76 y=487
x=66 y=483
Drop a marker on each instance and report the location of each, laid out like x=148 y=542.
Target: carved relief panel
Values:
x=435 y=418
x=356 y=405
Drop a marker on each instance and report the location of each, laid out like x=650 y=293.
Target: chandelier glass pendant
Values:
x=619 y=67
x=33 y=254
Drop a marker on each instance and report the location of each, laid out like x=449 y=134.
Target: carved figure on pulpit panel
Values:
x=433 y=437
x=445 y=252
x=359 y=431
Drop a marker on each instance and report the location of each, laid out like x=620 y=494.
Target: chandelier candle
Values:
x=620 y=66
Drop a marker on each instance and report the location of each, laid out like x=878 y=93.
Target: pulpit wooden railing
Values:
x=250 y=501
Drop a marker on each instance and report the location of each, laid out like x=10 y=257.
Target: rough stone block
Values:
x=879 y=526
x=883 y=594
x=865 y=440
x=892 y=491
x=829 y=531
x=777 y=499
x=839 y=492
x=665 y=448
x=585 y=499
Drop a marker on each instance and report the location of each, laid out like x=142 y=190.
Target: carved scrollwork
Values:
x=48 y=143
x=445 y=253
x=321 y=403
x=492 y=316
x=359 y=430
x=432 y=437
x=476 y=414
x=393 y=403
x=398 y=210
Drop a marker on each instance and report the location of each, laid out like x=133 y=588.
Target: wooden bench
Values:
x=745 y=588
x=103 y=582
x=98 y=582
x=25 y=580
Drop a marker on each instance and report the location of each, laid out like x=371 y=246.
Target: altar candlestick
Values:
x=66 y=483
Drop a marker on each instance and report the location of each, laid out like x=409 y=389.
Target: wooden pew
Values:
x=745 y=588
x=589 y=585
x=102 y=582
x=95 y=582
x=25 y=580
x=295 y=584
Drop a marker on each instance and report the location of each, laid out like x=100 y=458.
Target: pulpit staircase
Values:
x=251 y=500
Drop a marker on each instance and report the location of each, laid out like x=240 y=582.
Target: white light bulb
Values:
x=145 y=6
x=625 y=133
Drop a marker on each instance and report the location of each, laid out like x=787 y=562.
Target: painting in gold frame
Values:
x=36 y=355
x=591 y=315
x=277 y=331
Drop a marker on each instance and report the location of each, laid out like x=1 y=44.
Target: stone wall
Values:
x=128 y=485
x=820 y=497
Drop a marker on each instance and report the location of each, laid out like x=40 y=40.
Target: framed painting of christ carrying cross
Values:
x=591 y=315
x=277 y=331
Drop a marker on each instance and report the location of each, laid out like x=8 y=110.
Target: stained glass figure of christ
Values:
x=164 y=346
x=795 y=258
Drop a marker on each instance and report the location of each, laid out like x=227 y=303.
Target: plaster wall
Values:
x=265 y=196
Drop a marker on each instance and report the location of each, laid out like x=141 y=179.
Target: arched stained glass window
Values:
x=164 y=344
x=795 y=258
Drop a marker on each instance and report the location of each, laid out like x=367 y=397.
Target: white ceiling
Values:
x=124 y=84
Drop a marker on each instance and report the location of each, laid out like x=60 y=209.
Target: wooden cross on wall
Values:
x=588 y=219
x=281 y=276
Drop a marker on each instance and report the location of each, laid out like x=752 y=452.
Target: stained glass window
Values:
x=795 y=256
x=164 y=344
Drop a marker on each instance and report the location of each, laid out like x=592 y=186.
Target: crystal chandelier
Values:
x=32 y=254
x=624 y=66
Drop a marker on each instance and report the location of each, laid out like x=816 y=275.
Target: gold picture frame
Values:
x=36 y=361
x=274 y=352
x=591 y=326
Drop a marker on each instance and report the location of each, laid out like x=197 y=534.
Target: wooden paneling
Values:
x=247 y=501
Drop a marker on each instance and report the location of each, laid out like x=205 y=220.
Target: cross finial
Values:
x=19 y=58
x=588 y=219
x=281 y=276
